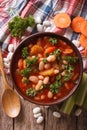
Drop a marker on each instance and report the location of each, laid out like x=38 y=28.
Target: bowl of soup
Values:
x=46 y=68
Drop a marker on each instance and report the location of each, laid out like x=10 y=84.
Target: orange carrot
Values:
x=85 y=52
x=76 y=23
x=84 y=28
x=68 y=51
x=62 y=20
x=49 y=50
x=83 y=41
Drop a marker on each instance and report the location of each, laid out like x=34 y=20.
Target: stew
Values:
x=47 y=69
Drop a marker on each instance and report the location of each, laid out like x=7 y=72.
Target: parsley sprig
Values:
x=19 y=25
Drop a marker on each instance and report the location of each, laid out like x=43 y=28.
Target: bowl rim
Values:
x=69 y=42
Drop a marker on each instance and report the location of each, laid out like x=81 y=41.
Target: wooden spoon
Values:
x=10 y=99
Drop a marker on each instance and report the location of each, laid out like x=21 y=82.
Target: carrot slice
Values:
x=83 y=41
x=62 y=20
x=84 y=28
x=76 y=23
x=49 y=50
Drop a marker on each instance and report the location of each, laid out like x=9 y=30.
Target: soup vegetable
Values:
x=47 y=69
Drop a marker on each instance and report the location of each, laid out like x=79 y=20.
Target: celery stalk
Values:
x=85 y=102
x=82 y=91
x=68 y=105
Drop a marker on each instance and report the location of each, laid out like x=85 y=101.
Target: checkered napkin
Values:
x=46 y=10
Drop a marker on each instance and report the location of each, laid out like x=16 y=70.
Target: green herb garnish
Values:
x=31 y=92
x=32 y=61
x=53 y=41
x=71 y=59
x=25 y=52
x=19 y=25
x=25 y=72
x=45 y=60
x=54 y=88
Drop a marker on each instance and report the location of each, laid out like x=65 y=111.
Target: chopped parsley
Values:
x=54 y=88
x=19 y=25
x=53 y=41
x=32 y=61
x=25 y=72
x=31 y=92
x=25 y=52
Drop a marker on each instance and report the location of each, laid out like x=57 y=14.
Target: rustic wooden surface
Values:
x=26 y=121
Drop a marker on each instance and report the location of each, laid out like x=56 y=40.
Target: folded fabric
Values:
x=46 y=10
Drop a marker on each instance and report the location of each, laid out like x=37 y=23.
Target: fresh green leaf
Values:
x=45 y=60
x=25 y=52
x=32 y=61
x=71 y=59
x=53 y=41
x=19 y=25
x=67 y=76
x=25 y=72
x=31 y=92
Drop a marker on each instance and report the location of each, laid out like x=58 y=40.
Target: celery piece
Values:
x=85 y=102
x=68 y=105
x=82 y=91
x=76 y=98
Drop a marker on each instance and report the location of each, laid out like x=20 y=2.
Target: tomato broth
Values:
x=47 y=69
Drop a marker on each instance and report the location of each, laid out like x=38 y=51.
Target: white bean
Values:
x=46 y=23
x=47 y=66
x=36 y=110
x=56 y=71
x=9 y=56
x=41 y=65
x=48 y=29
x=78 y=112
x=29 y=29
x=33 y=79
x=38 y=86
x=63 y=73
x=7 y=65
x=37 y=115
x=41 y=77
x=65 y=62
x=38 y=20
x=56 y=114
x=6 y=60
x=11 y=48
x=40 y=119
x=46 y=80
x=51 y=58
x=39 y=28
x=50 y=94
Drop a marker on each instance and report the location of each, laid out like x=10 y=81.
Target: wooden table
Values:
x=26 y=120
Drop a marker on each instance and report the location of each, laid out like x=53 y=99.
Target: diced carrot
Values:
x=83 y=41
x=49 y=50
x=62 y=20
x=84 y=28
x=68 y=51
x=20 y=63
x=36 y=49
x=76 y=23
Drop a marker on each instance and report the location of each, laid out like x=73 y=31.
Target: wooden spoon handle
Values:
x=2 y=70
